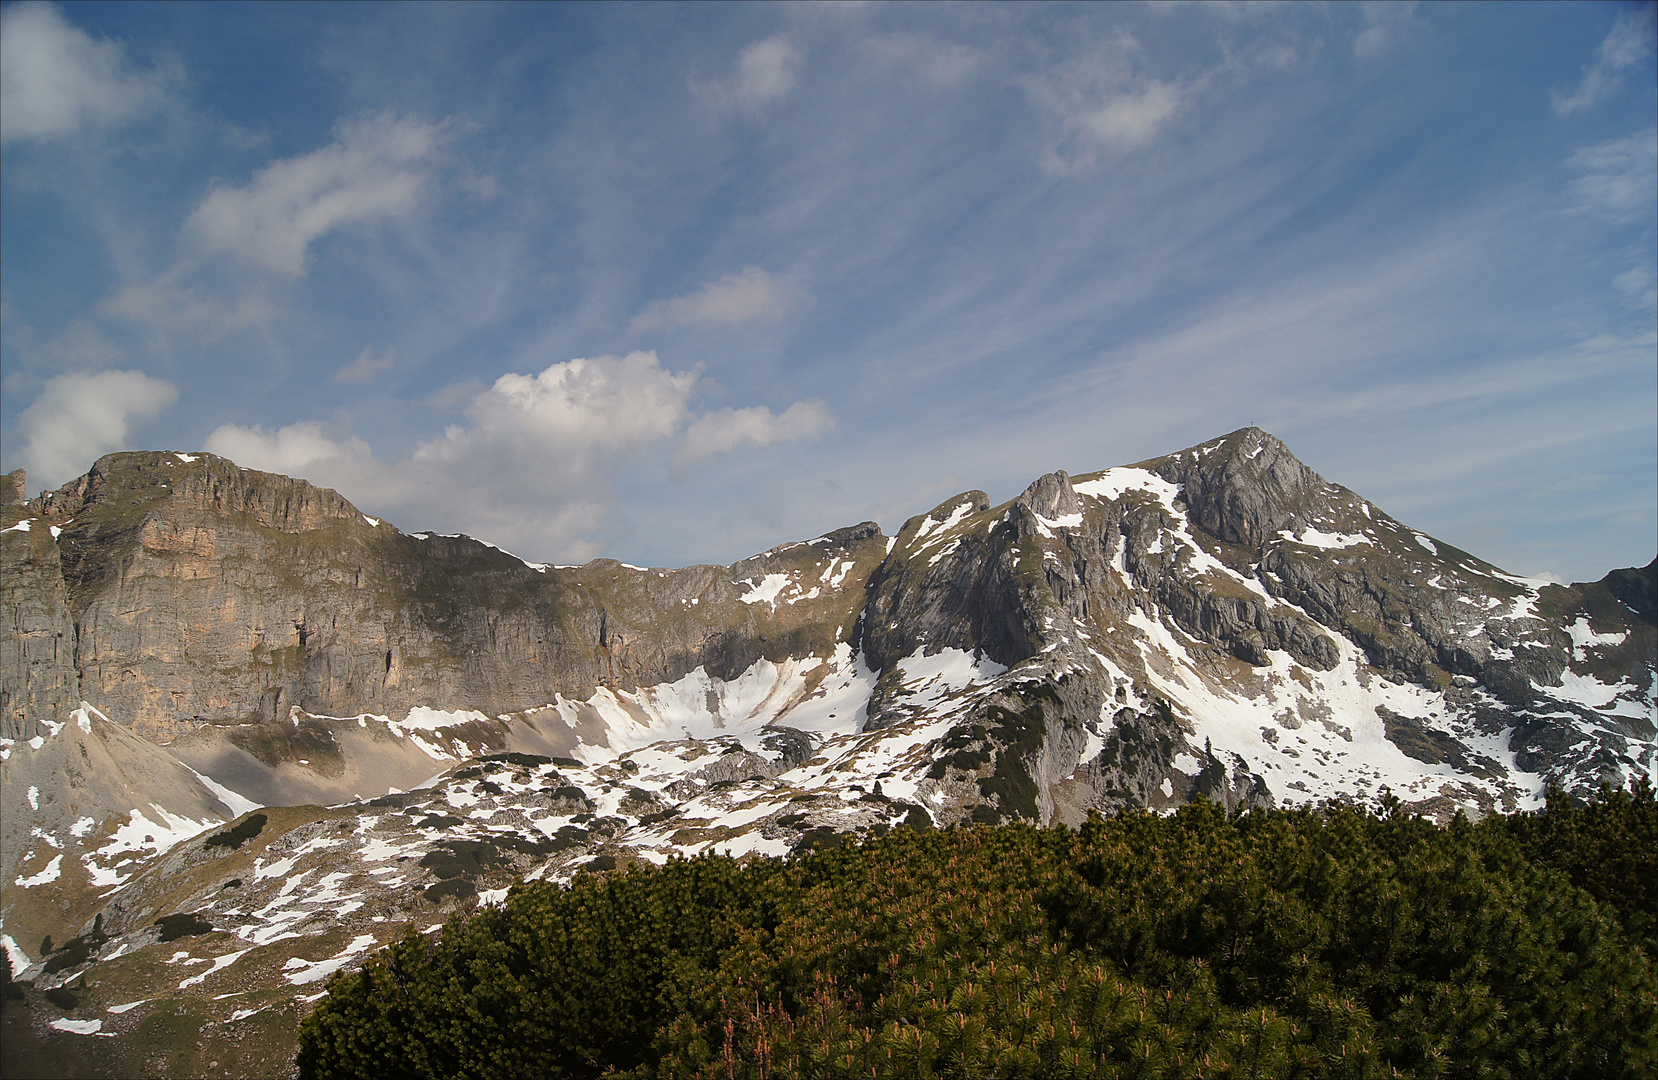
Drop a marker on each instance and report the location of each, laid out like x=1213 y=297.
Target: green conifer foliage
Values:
x=1278 y=943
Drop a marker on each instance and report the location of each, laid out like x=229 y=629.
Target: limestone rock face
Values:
x=1246 y=487
x=181 y=592
x=417 y=719
x=37 y=645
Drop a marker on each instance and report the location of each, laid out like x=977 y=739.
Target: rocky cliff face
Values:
x=1221 y=622
x=179 y=589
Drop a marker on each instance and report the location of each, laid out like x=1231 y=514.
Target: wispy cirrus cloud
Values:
x=378 y=166
x=56 y=79
x=726 y=430
x=1386 y=23
x=367 y=367
x=1616 y=177
x=751 y=295
x=375 y=168
x=1629 y=42
x=1103 y=106
x=937 y=63
x=765 y=72
x=197 y=311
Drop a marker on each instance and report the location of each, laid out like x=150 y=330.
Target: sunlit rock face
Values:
x=421 y=719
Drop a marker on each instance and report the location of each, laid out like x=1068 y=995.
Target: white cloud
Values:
x=566 y=420
x=296 y=450
x=727 y=429
x=1104 y=107
x=56 y=79
x=1616 y=177
x=766 y=71
x=367 y=366
x=78 y=418
x=1386 y=23
x=748 y=296
x=938 y=63
x=1630 y=42
x=534 y=466
x=374 y=169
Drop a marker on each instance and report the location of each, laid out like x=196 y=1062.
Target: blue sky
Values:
x=675 y=283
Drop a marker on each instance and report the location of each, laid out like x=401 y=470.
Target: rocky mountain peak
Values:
x=1636 y=589
x=1052 y=496
x=143 y=481
x=1245 y=487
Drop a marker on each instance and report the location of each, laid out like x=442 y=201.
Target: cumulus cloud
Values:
x=80 y=417
x=367 y=366
x=567 y=420
x=534 y=464
x=1630 y=42
x=938 y=63
x=375 y=168
x=765 y=72
x=749 y=296
x=727 y=429
x=1616 y=177
x=296 y=450
x=1386 y=23
x=1104 y=107
x=56 y=79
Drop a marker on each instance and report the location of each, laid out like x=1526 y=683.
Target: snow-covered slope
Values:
x=1219 y=622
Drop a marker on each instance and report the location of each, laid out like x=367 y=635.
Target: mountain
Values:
x=249 y=733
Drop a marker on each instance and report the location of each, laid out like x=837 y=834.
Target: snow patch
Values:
x=239 y=804
x=932 y=526
x=219 y=964
x=421 y=718
x=82 y=1027
x=53 y=871
x=19 y=958
x=1327 y=541
x=765 y=591
x=1584 y=637
x=1064 y=521
x=1113 y=484
x=299 y=971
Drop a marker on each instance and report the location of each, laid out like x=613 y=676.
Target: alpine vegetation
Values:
x=1197 y=766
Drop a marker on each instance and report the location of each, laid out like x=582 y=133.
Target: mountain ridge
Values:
x=1220 y=623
